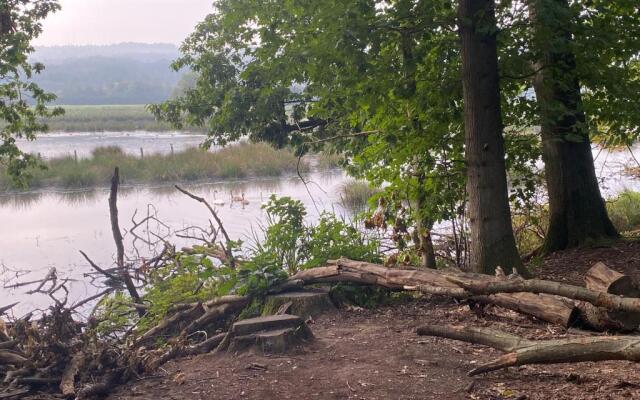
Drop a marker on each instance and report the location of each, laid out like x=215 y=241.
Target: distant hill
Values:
x=126 y=73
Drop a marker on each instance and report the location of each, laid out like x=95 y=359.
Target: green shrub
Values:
x=299 y=246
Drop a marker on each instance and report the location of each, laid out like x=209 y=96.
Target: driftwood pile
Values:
x=58 y=352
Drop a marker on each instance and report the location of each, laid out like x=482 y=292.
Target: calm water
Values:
x=47 y=229
x=44 y=230
x=61 y=144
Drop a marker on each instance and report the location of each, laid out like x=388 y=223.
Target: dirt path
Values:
x=362 y=354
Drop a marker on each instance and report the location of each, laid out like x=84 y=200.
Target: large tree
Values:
x=580 y=60
x=492 y=240
x=22 y=102
x=577 y=212
x=380 y=82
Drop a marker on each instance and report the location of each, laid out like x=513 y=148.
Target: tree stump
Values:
x=302 y=303
x=268 y=335
x=604 y=279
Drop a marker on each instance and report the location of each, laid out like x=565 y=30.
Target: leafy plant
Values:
x=332 y=238
x=285 y=232
x=295 y=245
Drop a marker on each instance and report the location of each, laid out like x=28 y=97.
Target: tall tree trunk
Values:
x=492 y=240
x=577 y=211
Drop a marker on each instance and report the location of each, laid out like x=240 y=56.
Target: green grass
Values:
x=113 y=118
x=233 y=162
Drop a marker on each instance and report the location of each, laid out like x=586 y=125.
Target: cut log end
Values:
x=602 y=278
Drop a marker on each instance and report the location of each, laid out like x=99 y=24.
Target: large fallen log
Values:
x=521 y=351
x=595 y=297
x=543 y=307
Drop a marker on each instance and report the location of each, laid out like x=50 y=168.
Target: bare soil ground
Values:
x=376 y=354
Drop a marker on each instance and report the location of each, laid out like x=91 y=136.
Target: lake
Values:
x=47 y=229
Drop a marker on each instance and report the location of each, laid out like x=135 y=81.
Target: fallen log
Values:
x=597 y=298
x=521 y=351
x=604 y=279
x=171 y=323
x=214 y=314
x=544 y=307
x=210 y=303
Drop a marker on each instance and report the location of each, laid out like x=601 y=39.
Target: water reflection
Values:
x=45 y=229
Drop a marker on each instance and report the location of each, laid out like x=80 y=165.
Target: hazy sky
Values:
x=114 y=21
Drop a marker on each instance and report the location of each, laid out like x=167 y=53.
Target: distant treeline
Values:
x=126 y=73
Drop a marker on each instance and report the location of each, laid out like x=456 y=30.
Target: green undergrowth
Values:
x=624 y=211
x=289 y=245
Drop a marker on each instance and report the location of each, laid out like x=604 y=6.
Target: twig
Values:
x=228 y=249
x=6 y=308
x=89 y=299
x=102 y=271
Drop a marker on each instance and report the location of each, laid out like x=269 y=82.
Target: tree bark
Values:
x=577 y=212
x=492 y=240
x=427 y=252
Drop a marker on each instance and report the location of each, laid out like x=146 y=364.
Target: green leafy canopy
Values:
x=22 y=102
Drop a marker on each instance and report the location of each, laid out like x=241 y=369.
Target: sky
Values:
x=114 y=21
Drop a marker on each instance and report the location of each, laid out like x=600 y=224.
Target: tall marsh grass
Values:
x=355 y=195
x=234 y=162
